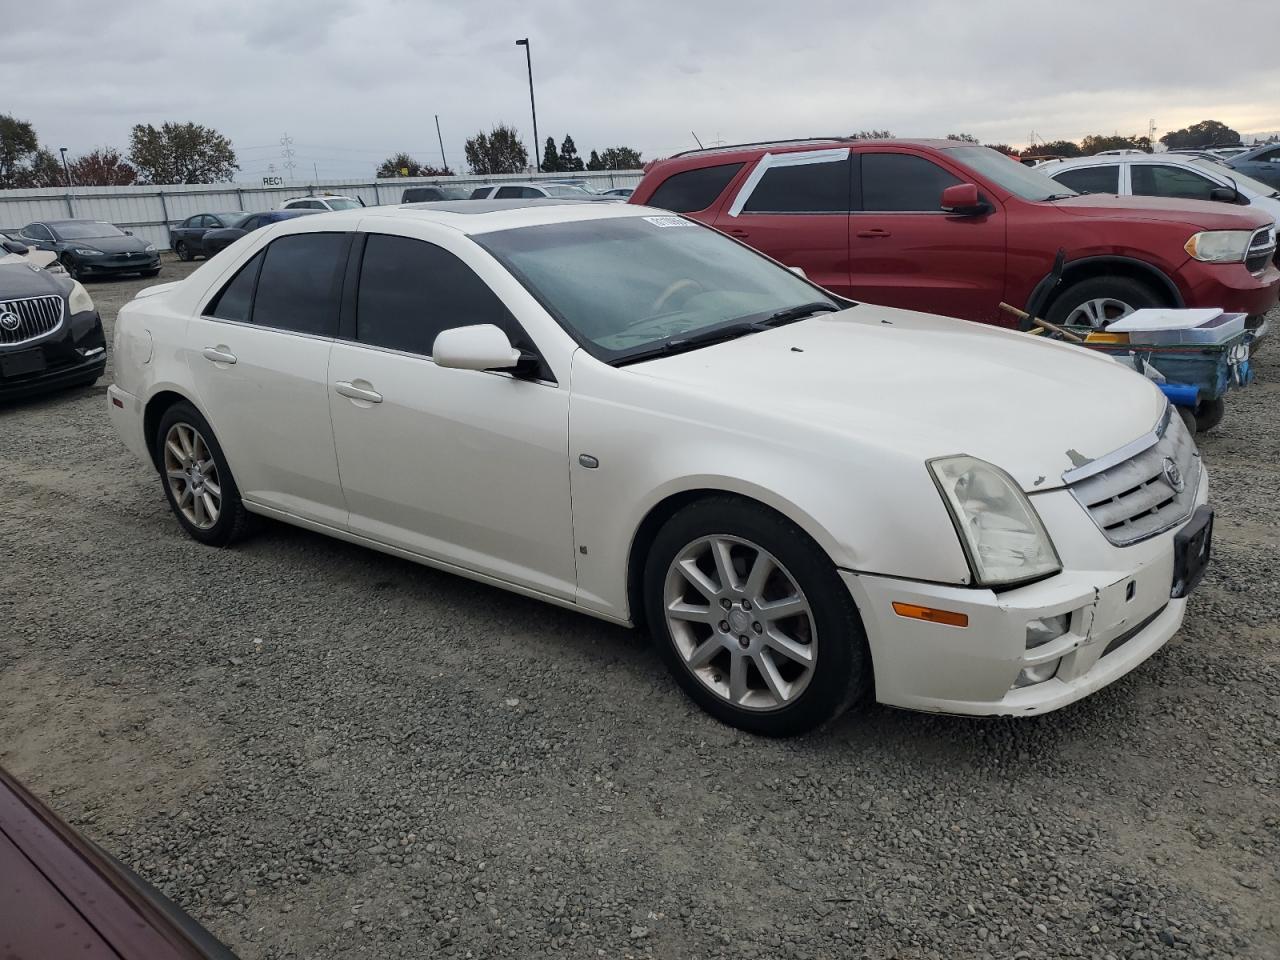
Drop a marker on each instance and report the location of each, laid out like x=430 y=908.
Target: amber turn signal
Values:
x=915 y=612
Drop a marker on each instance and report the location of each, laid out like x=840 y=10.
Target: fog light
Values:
x=1040 y=632
x=1037 y=674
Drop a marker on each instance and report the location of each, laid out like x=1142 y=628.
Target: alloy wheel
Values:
x=1098 y=313
x=192 y=475
x=740 y=622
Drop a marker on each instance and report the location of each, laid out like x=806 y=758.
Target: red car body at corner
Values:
x=961 y=264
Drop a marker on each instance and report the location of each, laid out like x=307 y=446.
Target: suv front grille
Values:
x=1262 y=247
x=1146 y=493
x=35 y=317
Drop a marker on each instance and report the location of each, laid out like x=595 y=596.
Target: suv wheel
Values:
x=197 y=481
x=753 y=620
x=1099 y=301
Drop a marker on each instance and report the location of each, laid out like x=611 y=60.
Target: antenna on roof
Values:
x=699 y=142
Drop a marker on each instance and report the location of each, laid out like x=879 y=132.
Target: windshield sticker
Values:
x=668 y=221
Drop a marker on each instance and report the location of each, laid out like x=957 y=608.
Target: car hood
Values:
x=1202 y=214
x=913 y=381
x=109 y=244
x=19 y=279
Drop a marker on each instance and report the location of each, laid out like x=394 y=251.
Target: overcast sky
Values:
x=352 y=81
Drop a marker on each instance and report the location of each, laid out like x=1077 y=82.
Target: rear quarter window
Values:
x=692 y=190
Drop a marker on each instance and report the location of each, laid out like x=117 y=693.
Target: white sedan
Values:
x=806 y=501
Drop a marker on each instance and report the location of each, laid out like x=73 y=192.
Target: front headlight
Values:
x=86 y=251
x=999 y=529
x=1219 y=246
x=150 y=248
x=79 y=301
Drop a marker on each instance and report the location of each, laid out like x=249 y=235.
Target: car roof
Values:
x=486 y=216
x=54 y=223
x=1175 y=159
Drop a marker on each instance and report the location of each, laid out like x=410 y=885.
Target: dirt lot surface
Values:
x=321 y=751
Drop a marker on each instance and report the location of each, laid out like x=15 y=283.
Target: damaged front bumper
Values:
x=1118 y=611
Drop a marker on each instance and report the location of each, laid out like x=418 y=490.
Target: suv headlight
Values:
x=1219 y=246
x=999 y=529
x=79 y=301
x=86 y=251
x=150 y=248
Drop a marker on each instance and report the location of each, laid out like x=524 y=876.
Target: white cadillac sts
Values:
x=806 y=501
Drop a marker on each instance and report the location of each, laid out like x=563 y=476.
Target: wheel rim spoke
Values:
x=779 y=609
x=799 y=652
x=773 y=679
x=682 y=610
x=720 y=552
x=704 y=653
x=689 y=568
x=738 y=679
x=192 y=476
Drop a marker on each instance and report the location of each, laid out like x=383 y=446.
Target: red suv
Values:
x=952 y=228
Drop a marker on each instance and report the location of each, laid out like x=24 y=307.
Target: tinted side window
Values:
x=1091 y=179
x=300 y=285
x=190 y=222
x=479 y=193
x=1158 y=180
x=36 y=231
x=507 y=193
x=234 y=300
x=411 y=290
x=806 y=188
x=253 y=223
x=902 y=182
x=693 y=190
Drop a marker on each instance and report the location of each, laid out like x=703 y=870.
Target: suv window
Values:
x=235 y=299
x=1103 y=179
x=693 y=190
x=507 y=193
x=803 y=188
x=903 y=182
x=411 y=290
x=300 y=285
x=1160 y=180
x=480 y=193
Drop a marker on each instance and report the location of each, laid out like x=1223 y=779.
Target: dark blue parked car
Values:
x=215 y=240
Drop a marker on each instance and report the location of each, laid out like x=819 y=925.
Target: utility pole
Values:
x=444 y=163
x=286 y=153
x=65 y=168
x=533 y=107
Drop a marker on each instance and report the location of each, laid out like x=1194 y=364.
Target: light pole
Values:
x=533 y=107
x=65 y=168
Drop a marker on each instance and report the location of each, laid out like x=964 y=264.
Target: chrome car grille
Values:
x=1262 y=247
x=30 y=319
x=1147 y=490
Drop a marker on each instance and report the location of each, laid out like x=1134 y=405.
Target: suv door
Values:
x=795 y=208
x=1166 y=180
x=259 y=357
x=465 y=467
x=905 y=251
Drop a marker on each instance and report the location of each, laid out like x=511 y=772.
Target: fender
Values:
x=1041 y=289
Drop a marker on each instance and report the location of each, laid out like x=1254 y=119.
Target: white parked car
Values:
x=807 y=501
x=1177 y=176
x=324 y=201
x=535 y=191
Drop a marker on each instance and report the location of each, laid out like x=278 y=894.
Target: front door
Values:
x=904 y=251
x=463 y=466
x=259 y=358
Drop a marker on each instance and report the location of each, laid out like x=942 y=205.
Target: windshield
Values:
x=341 y=203
x=1244 y=183
x=85 y=230
x=1014 y=177
x=565 y=190
x=623 y=286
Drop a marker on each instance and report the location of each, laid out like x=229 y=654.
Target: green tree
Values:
x=620 y=158
x=1059 y=148
x=18 y=145
x=498 y=151
x=1004 y=148
x=550 y=157
x=44 y=169
x=103 y=167
x=1198 y=136
x=181 y=153
x=962 y=137
x=399 y=165
x=593 y=162
x=569 y=159
x=1097 y=142
x=871 y=135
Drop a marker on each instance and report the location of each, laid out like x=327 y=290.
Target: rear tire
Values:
x=775 y=645
x=183 y=251
x=197 y=481
x=1209 y=414
x=1098 y=301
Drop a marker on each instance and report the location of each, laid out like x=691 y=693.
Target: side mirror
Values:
x=480 y=347
x=799 y=272
x=1224 y=195
x=962 y=199
x=15 y=246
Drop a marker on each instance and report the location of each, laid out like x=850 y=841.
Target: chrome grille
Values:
x=1262 y=247
x=36 y=317
x=1146 y=493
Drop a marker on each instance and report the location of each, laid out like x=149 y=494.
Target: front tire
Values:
x=753 y=620
x=197 y=481
x=1099 y=301
x=69 y=264
x=1209 y=414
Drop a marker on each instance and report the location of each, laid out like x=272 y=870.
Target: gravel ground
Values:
x=321 y=751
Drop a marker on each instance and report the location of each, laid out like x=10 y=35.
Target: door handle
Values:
x=219 y=354
x=346 y=388
x=874 y=233
x=737 y=232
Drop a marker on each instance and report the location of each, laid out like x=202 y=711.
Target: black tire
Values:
x=233 y=519
x=151 y=273
x=842 y=671
x=183 y=251
x=1188 y=419
x=69 y=265
x=1133 y=293
x=1209 y=414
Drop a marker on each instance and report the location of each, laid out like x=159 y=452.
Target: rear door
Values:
x=795 y=207
x=905 y=251
x=259 y=358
